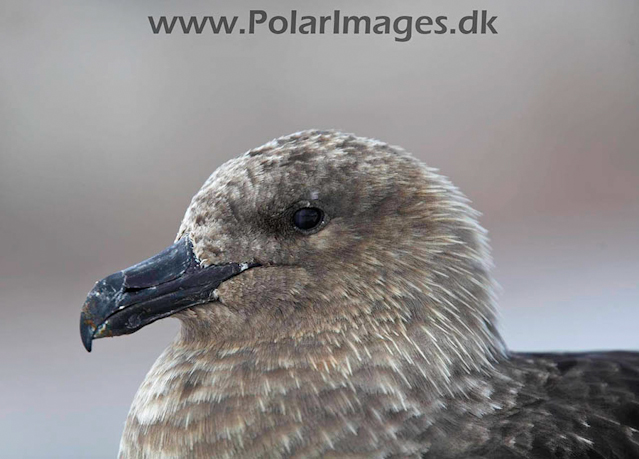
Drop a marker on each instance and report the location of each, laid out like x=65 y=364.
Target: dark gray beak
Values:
x=166 y=283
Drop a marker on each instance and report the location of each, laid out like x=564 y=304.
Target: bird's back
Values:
x=568 y=406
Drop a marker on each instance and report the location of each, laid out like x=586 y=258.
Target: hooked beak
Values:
x=166 y=283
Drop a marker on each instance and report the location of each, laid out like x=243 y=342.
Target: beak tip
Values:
x=86 y=333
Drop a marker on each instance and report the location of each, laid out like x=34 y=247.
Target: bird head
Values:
x=315 y=236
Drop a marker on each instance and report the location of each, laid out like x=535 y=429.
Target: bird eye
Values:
x=308 y=218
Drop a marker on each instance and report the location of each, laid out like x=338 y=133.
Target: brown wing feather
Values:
x=566 y=406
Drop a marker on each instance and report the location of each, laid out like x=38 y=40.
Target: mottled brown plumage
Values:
x=373 y=337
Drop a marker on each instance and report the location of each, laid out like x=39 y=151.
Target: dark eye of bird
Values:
x=308 y=218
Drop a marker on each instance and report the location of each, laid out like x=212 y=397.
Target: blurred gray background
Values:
x=106 y=131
